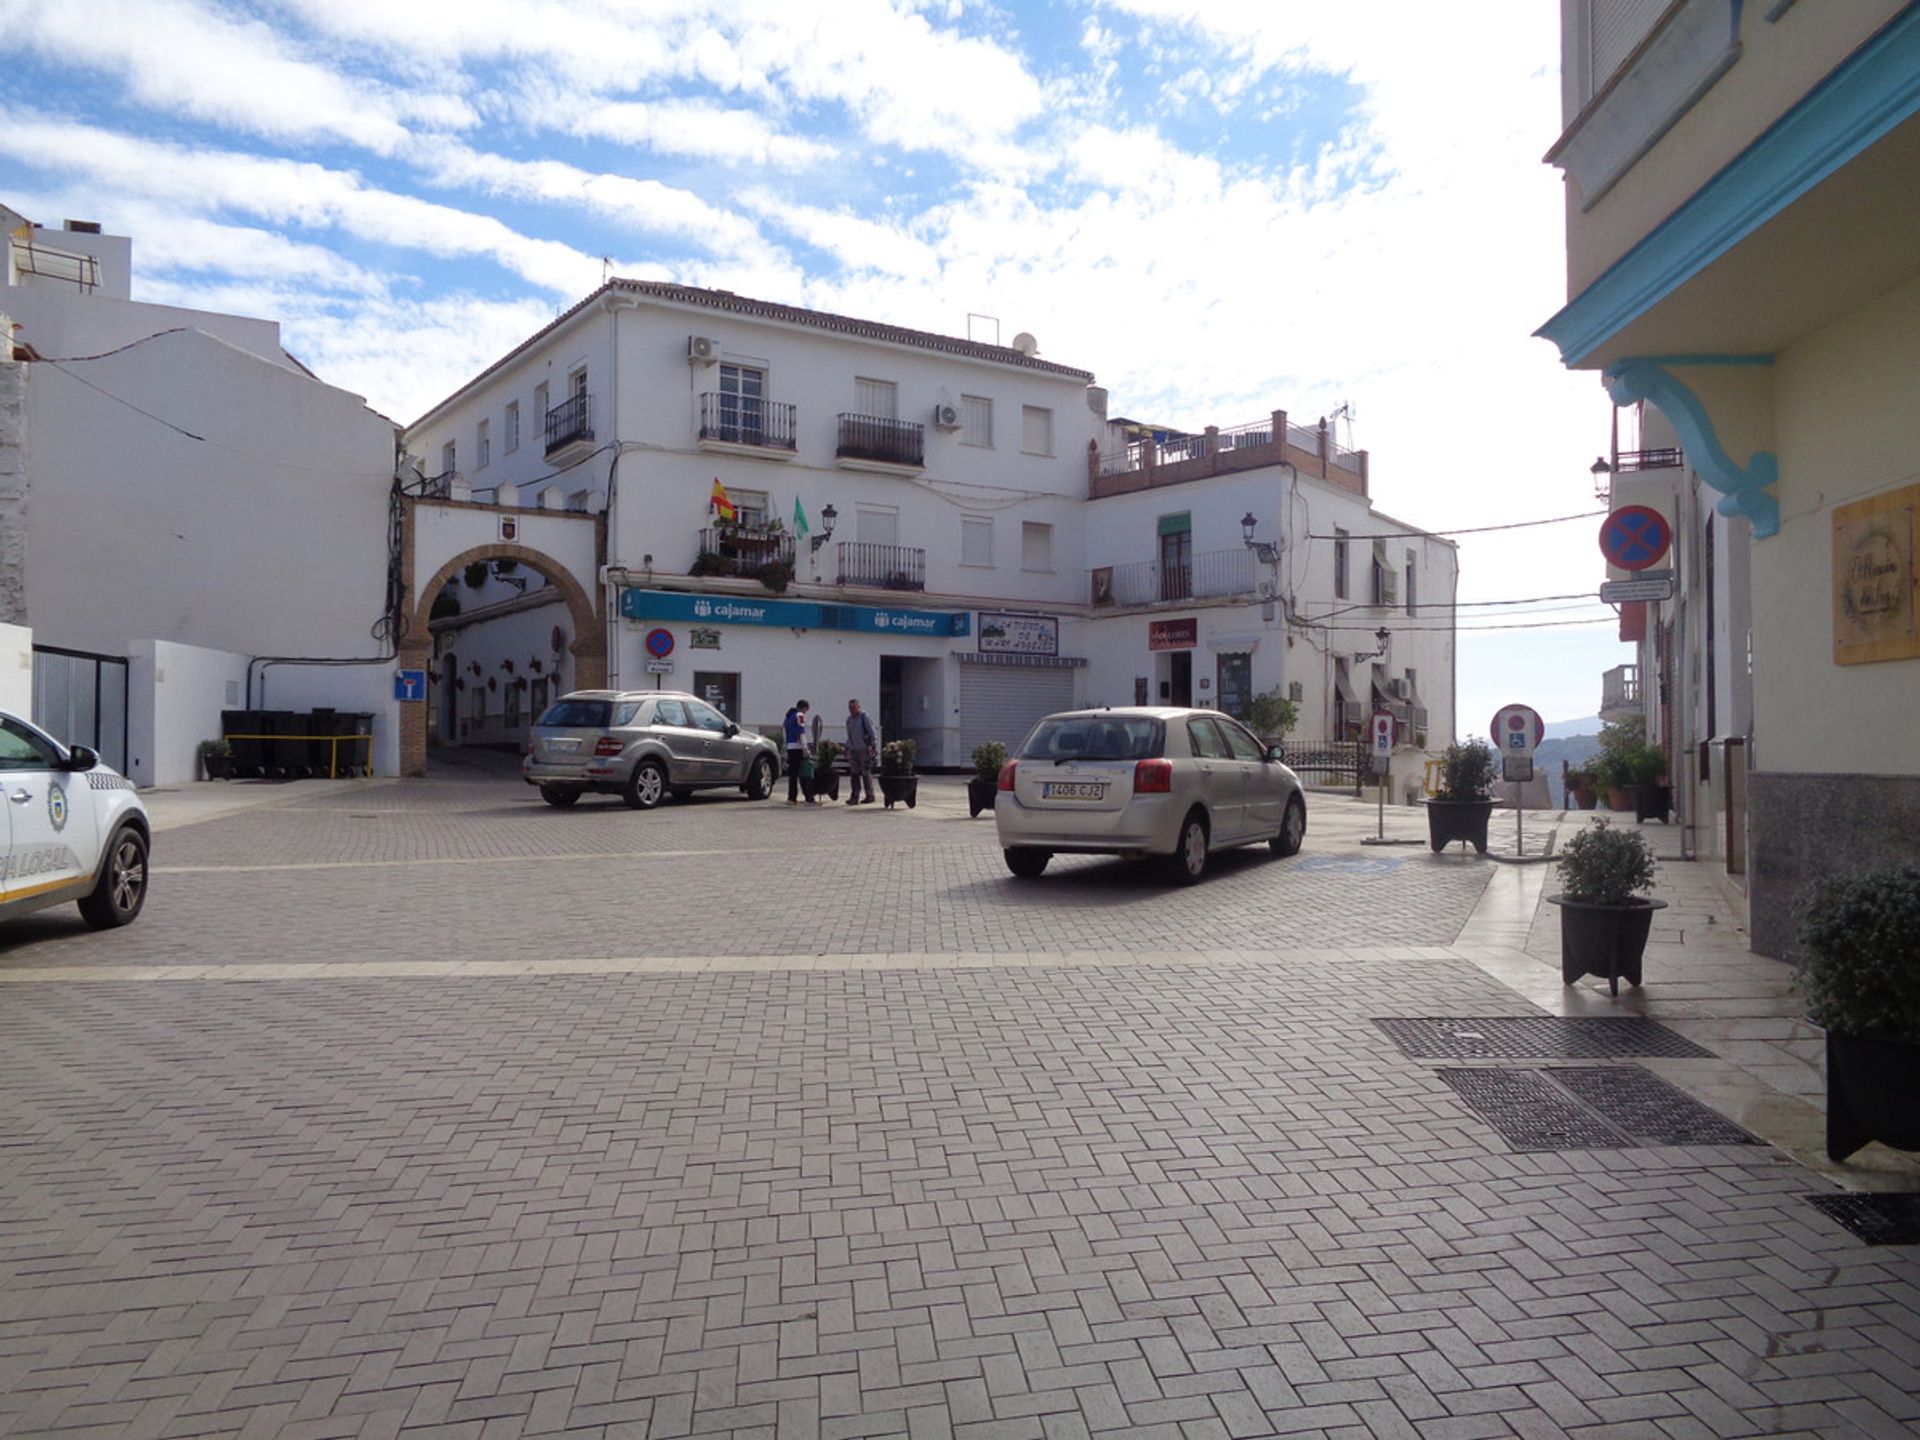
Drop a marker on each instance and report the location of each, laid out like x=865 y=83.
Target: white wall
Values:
x=175 y=694
x=58 y=322
x=16 y=669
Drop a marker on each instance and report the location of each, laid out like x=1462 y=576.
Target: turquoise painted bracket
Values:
x=1744 y=490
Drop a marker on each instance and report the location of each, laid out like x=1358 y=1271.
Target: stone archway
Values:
x=588 y=645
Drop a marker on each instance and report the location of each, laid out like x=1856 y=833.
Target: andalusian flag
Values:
x=800 y=526
x=719 y=504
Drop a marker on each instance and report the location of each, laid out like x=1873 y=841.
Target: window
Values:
x=1176 y=556
x=1339 y=564
x=1384 y=582
x=1036 y=546
x=577 y=383
x=671 y=712
x=1203 y=736
x=976 y=421
x=512 y=701
x=743 y=391
x=483 y=445
x=1412 y=605
x=876 y=525
x=21 y=749
x=513 y=426
x=1036 y=430
x=541 y=404
x=705 y=717
x=1243 y=745
x=749 y=507
x=478 y=710
x=878 y=398
x=449 y=454
x=976 y=540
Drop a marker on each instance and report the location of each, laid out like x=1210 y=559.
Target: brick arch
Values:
x=588 y=646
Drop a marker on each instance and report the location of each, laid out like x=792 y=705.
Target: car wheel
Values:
x=648 y=784
x=1293 y=828
x=558 y=798
x=1189 y=860
x=1027 y=862
x=760 y=779
x=123 y=882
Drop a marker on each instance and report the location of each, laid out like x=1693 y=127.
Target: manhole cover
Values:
x=1887 y=1219
x=1648 y=1108
x=1535 y=1037
x=1530 y=1112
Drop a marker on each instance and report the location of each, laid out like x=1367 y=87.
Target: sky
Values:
x=1221 y=208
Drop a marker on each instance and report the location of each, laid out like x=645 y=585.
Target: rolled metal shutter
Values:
x=1004 y=702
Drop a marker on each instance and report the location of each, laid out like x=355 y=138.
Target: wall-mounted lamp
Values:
x=1602 y=474
x=827 y=516
x=1266 y=552
x=1380 y=639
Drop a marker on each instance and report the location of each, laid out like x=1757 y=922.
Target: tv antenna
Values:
x=1344 y=412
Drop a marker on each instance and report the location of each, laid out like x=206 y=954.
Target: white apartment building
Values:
x=950 y=531
x=189 y=520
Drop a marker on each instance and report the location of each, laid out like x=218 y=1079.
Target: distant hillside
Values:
x=1567 y=729
x=1576 y=750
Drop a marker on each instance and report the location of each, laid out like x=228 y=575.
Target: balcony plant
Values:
x=1604 y=918
x=1860 y=972
x=897 y=780
x=1463 y=803
x=984 y=784
x=475 y=574
x=776 y=575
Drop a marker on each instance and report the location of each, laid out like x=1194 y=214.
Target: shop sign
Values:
x=1173 y=634
x=1010 y=633
x=711 y=610
x=703 y=637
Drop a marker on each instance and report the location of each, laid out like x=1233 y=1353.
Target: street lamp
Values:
x=1380 y=639
x=1267 y=552
x=827 y=516
x=1602 y=474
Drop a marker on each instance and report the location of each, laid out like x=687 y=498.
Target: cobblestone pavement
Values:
x=1206 y=1198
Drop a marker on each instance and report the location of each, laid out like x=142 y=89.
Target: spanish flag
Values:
x=719 y=504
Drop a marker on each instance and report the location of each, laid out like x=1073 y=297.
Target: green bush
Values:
x=825 y=753
x=776 y=575
x=1626 y=758
x=1605 y=865
x=1466 y=772
x=988 y=757
x=1272 y=715
x=1860 y=953
x=475 y=574
x=896 y=757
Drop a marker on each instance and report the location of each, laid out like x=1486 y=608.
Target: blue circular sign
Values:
x=659 y=643
x=1635 y=537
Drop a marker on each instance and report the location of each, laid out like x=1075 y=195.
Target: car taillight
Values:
x=608 y=745
x=1006 y=774
x=1153 y=777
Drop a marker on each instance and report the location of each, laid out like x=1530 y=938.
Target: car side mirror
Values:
x=1273 y=754
x=732 y=730
x=80 y=758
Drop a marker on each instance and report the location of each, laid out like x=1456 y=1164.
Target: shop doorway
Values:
x=721 y=690
x=1176 y=678
x=907 y=710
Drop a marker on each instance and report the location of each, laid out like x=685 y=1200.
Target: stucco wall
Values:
x=13 y=486
x=175 y=694
x=16 y=668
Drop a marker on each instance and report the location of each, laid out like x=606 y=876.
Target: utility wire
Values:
x=1470 y=530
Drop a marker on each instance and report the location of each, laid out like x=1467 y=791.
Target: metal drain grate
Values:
x=1648 y=1108
x=1530 y=1112
x=1889 y=1219
x=1535 y=1037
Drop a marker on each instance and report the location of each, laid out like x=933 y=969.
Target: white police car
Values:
x=73 y=830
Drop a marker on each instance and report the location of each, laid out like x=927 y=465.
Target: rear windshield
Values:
x=588 y=714
x=1094 y=737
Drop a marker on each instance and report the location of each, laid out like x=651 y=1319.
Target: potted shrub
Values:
x=897 y=780
x=1860 y=972
x=1578 y=789
x=1604 y=918
x=216 y=759
x=1271 y=716
x=988 y=757
x=776 y=575
x=1631 y=771
x=826 y=780
x=1463 y=804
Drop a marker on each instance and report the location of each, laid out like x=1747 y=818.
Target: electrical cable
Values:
x=1469 y=530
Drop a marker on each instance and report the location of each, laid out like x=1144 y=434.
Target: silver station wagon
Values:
x=643 y=745
x=1145 y=781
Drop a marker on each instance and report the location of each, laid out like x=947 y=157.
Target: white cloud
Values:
x=688 y=128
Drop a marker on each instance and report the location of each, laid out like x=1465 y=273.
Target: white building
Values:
x=980 y=546
x=192 y=521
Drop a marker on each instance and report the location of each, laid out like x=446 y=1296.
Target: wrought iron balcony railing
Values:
x=568 y=422
x=891 y=442
x=747 y=420
x=1148 y=582
x=889 y=567
x=730 y=550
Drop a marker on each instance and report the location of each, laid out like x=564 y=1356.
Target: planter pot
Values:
x=1651 y=802
x=1871 y=1083
x=1451 y=820
x=218 y=767
x=1604 y=940
x=900 y=787
x=980 y=792
x=1582 y=796
x=1619 y=800
x=826 y=782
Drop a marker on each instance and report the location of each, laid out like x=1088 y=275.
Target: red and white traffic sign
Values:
x=1635 y=537
x=1518 y=729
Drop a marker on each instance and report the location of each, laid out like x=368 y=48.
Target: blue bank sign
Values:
x=793 y=614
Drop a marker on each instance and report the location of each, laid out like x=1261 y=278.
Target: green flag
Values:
x=800 y=526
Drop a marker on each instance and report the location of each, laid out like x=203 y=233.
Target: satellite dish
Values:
x=1026 y=344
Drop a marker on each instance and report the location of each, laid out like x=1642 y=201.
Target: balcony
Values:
x=885 y=567
x=746 y=421
x=1620 y=692
x=1666 y=457
x=568 y=424
x=1213 y=574
x=871 y=442
x=728 y=550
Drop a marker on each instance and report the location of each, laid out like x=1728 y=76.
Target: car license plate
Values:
x=563 y=746
x=1071 y=790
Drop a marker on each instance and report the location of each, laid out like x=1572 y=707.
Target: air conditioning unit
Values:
x=1400 y=689
x=946 y=417
x=702 y=350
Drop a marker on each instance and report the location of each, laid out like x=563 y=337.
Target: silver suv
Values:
x=643 y=745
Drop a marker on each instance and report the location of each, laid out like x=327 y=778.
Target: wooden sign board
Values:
x=1876 y=589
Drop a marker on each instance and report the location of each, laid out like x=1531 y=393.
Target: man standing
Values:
x=795 y=730
x=863 y=749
